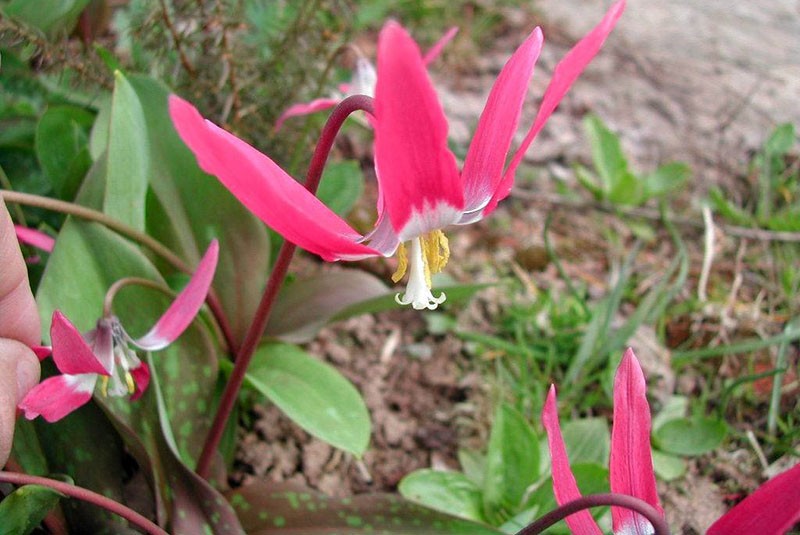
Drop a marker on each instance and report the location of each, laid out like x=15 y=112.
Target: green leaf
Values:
x=609 y=160
x=512 y=464
x=128 y=157
x=313 y=394
x=588 y=180
x=691 y=436
x=62 y=147
x=627 y=189
x=668 y=467
x=587 y=440
x=305 y=306
x=676 y=407
x=341 y=186
x=53 y=17
x=668 y=178
x=473 y=464
x=267 y=508
x=25 y=508
x=781 y=140
x=449 y=492
x=728 y=210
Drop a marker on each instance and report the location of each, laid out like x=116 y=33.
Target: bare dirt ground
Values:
x=700 y=82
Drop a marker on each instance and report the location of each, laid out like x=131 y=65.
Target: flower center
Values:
x=429 y=255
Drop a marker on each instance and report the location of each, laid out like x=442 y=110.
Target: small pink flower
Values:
x=104 y=353
x=361 y=83
x=35 y=238
x=421 y=190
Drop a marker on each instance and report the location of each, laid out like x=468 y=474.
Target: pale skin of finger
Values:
x=19 y=328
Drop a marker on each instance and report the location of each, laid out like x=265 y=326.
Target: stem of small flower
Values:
x=660 y=525
x=130 y=233
x=86 y=495
x=276 y=278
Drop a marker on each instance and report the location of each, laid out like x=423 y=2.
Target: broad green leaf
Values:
x=609 y=160
x=305 y=306
x=473 y=464
x=187 y=208
x=128 y=157
x=587 y=440
x=27 y=450
x=781 y=140
x=668 y=467
x=512 y=464
x=53 y=17
x=627 y=189
x=313 y=394
x=449 y=492
x=267 y=508
x=341 y=186
x=23 y=509
x=691 y=436
x=62 y=147
x=675 y=407
x=668 y=178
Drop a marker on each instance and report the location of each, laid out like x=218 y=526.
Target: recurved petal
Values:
x=418 y=176
x=141 y=378
x=58 y=396
x=34 y=237
x=483 y=167
x=564 y=486
x=305 y=108
x=265 y=189
x=631 y=469
x=439 y=45
x=771 y=510
x=185 y=307
x=565 y=73
x=71 y=353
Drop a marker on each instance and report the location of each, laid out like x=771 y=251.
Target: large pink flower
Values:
x=104 y=353
x=422 y=190
x=771 y=510
x=362 y=82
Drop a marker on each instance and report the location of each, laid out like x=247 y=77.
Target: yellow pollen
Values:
x=131 y=384
x=435 y=251
x=402 y=263
x=104 y=386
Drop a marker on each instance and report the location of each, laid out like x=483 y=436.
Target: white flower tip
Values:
x=420 y=300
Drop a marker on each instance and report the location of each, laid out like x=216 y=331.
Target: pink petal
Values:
x=564 y=486
x=483 y=167
x=182 y=311
x=305 y=108
x=71 y=353
x=417 y=172
x=34 y=237
x=566 y=72
x=631 y=460
x=42 y=352
x=439 y=45
x=771 y=510
x=141 y=377
x=58 y=396
x=265 y=189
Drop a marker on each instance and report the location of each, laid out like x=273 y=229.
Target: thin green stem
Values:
x=276 y=278
x=131 y=233
x=86 y=495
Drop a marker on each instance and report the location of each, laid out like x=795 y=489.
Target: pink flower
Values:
x=361 y=83
x=421 y=188
x=104 y=354
x=771 y=510
x=34 y=237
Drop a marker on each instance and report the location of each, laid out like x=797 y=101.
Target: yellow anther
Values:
x=131 y=384
x=435 y=250
x=402 y=263
x=104 y=386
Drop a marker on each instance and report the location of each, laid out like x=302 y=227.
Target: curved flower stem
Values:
x=660 y=525
x=86 y=495
x=129 y=232
x=276 y=278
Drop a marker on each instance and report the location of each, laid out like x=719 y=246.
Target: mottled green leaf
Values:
x=266 y=508
x=449 y=492
x=313 y=394
x=23 y=510
x=62 y=147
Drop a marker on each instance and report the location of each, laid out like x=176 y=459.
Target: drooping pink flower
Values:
x=104 y=354
x=421 y=190
x=361 y=83
x=34 y=237
x=771 y=510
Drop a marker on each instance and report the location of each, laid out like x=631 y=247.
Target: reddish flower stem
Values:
x=276 y=278
x=660 y=525
x=86 y=495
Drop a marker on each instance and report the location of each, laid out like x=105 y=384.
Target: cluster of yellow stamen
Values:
x=128 y=381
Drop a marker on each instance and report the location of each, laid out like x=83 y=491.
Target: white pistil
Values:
x=418 y=292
